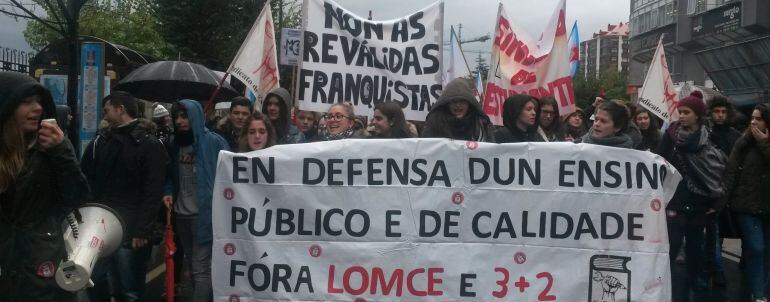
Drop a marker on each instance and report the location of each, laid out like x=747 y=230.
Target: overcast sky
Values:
x=477 y=16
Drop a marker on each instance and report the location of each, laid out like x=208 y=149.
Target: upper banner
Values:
x=658 y=94
x=256 y=64
x=347 y=58
x=441 y=220
x=522 y=65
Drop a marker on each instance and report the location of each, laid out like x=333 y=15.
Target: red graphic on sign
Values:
x=46 y=269
x=95 y=242
x=655 y=204
x=229 y=194
x=315 y=251
x=520 y=258
x=472 y=145
x=234 y=298
x=229 y=249
x=458 y=198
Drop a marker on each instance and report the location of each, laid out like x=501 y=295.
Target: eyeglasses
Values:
x=336 y=117
x=547 y=113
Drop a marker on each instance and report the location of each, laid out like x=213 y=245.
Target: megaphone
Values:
x=90 y=232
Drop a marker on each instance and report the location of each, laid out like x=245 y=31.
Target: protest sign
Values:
x=290 y=44
x=658 y=94
x=256 y=64
x=523 y=65
x=441 y=220
x=347 y=58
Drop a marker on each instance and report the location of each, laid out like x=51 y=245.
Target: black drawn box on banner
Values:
x=610 y=279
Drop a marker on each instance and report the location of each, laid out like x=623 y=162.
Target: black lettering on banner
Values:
x=563 y=173
x=284 y=218
x=419 y=171
x=304 y=83
x=265 y=277
x=400 y=31
x=404 y=98
x=373 y=170
x=327 y=224
x=281 y=273
x=605 y=225
x=613 y=174
x=585 y=226
x=555 y=221
x=333 y=171
x=352 y=87
x=439 y=168
x=451 y=223
x=525 y=225
x=234 y=270
x=352 y=171
x=349 y=223
x=238 y=216
x=237 y=168
x=424 y=214
x=392 y=168
x=475 y=224
x=433 y=68
x=349 y=49
x=252 y=217
x=411 y=61
x=390 y=221
x=633 y=226
x=326 y=47
x=364 y=56
x=370 y=28
x=466 y=284
x=414 y=21
x=336 y=90
x=319 y=82
x=472 y=161
x=584 y=170
x=267 y=172
x=310 y=54
x=306 y=163
x=507 y=228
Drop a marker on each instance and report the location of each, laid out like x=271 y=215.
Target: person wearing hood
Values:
x=277 y=107
x=574 y=126
x=125 y=166
x=458 y=115
x=691 y=208
x=549 y=122
x=230 y=127
x=190 y=187
x=610 y=126
x=40 y=183
x=521 y=113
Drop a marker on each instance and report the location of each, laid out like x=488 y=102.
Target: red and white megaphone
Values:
x=90 y=232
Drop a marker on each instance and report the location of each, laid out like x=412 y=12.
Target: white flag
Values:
x=658 y=94
x=456 y=65
x=255 y=64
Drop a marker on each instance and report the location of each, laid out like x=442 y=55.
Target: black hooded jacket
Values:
x=440 y=122
x=33 y=207
x=287 y=133
x=512 y=108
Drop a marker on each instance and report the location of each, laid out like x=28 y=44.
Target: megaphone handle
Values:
x=168 y=216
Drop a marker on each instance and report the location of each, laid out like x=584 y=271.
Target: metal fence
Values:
x=14 y=60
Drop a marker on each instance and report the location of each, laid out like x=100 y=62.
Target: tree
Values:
x=128 y=23
x=482 y=67
x=62 y=17
x=587 y=88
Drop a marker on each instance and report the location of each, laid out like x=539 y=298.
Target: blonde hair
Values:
x=12 y=151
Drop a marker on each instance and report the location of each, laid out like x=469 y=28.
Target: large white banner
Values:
x=441 y=220
x=658 y=94
x=523 y=65
x=347 y=58
x=256 y=64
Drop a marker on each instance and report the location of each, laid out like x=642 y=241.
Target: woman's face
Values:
x=528 y=114
x=643 y=121
x=257 y=135
x=337 y=120
x=381 y=123
x=757 y=121
x=28 y=114
x=603 y=125
x=459 y=108
x=687 y=117
x=575 y=120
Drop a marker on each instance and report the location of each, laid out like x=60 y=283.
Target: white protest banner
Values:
x=523 y=65
x=658 y=94
x=255 y=64
x=347 y=58
x=441 y=220
x=290 y=46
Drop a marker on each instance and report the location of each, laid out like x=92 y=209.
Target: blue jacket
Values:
x=206 y=146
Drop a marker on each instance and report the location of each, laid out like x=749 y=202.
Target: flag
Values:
x=574 y=50
x=256 y=63
x=456 y=66
x=523 y=65
x=479 y=85
x=658 y=94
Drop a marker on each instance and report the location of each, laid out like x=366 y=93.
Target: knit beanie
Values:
x=159 y=111
x=695 y=102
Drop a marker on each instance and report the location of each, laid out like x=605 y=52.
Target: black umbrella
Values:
x=168 y=81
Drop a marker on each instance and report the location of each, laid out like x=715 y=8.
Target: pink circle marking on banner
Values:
x=315 y=251
x=458 y=198
x=229 y=194
x=234 y=298
x=655 y=204
x=229 y=249
x=359 y=300
x=520 y=258
x=472 y=145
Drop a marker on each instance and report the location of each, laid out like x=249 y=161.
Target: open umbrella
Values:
x=168 y=81
x=168 y=237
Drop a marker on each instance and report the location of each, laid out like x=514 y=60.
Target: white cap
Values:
x=159 y=111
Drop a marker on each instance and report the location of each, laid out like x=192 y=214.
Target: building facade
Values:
x=606 y=50
x=724 y=43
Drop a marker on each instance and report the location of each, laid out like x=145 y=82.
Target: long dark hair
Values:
x=764 y=113
x=650 y=136
x=555 y=127
x=395 y=115
x=618 y=112
x=243 y=142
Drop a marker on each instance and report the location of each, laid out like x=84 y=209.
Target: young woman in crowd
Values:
x=258 y=134
x=550 y=123
x=458 y=115
x=747 y=178
x=648 y=125
x=340 y=122
x=520 y=116
x=610 y=125
x=574 y=126
x=389 y=121
x=40 y=182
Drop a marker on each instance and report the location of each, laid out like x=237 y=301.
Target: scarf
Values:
x=462 y=128
x=620 y=140
x=342 y=135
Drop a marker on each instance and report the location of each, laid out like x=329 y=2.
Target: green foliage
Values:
x=587 y=88
x=130 y=23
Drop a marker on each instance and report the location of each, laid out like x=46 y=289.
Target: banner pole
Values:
x=213 y=96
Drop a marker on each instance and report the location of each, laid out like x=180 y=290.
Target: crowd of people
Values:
x=142 y=166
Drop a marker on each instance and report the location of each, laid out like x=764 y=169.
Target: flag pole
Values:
x=213 y=96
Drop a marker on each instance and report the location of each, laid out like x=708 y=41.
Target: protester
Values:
x=649 y=128
x=574 y=126
x=257 y=135
x=550 y=124
x=340 y=122
x=307 y=123
x=277 y=105
x=230 y=126
x=458 y=115
x=40 y=182
x=610 y=125
x=520 y=118
x=162 y=120
x=389 y=121
x=63 y=117
x=747 y=179
x=692 y=206
x=190 y=187
x=125 y=166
